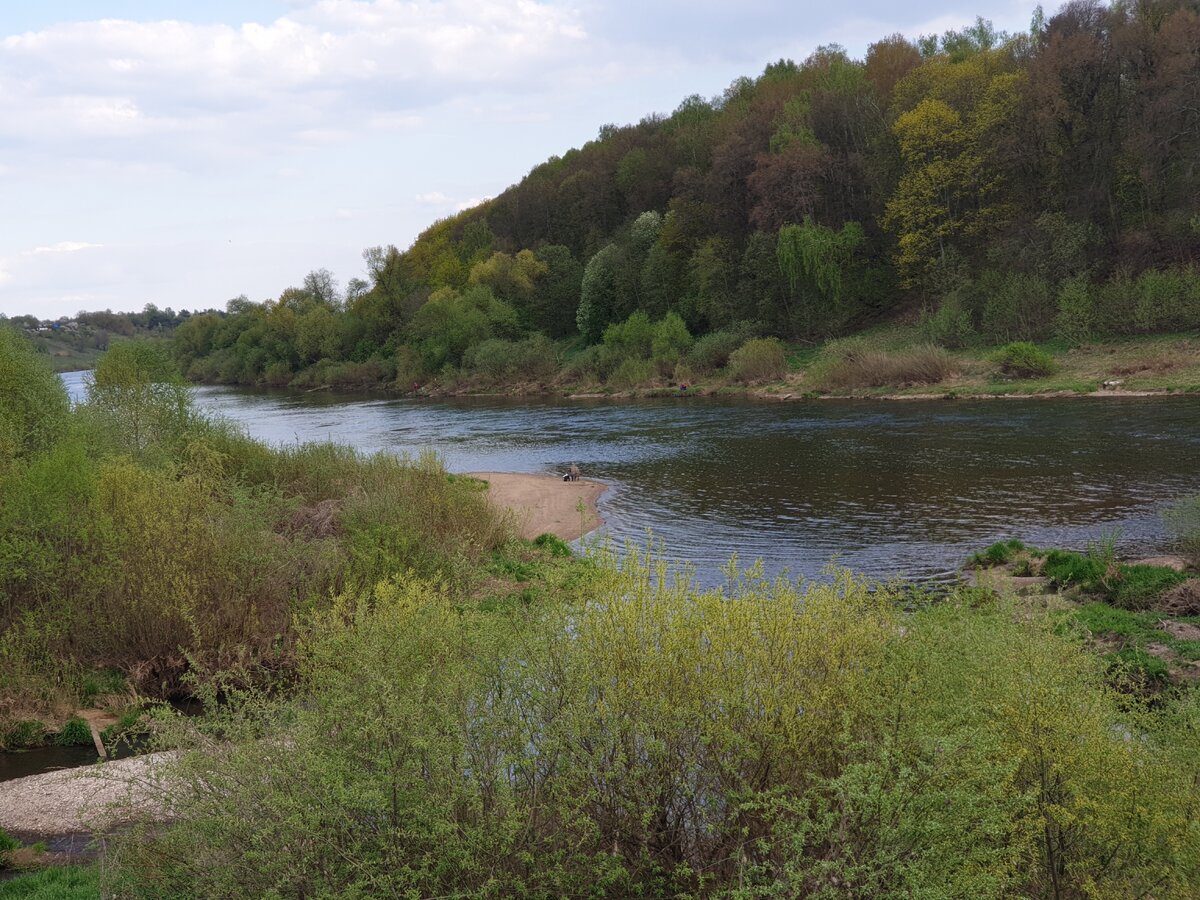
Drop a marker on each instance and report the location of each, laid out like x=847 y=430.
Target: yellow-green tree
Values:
x=952 y=183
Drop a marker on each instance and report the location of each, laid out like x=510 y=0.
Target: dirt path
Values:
x=544 y=503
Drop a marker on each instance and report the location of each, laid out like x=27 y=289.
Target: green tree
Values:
x=604 y=293
x=138 y=394
x=33 y=401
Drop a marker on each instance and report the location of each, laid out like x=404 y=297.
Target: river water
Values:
x=886 y=488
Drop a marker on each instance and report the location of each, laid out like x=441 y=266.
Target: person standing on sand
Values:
x=574 y=472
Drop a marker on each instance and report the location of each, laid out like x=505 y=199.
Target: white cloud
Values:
x=433 y=198
x=467 y=204
x=62 y=247
x=316 y=74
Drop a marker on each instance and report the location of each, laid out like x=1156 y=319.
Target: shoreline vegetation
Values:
x=885 y=363
x=400 y=695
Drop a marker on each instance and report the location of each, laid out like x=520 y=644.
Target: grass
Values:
x=998 y=553
x=1132 y=587
x=75 y=733
x=1136 y=629
x=56 y=883
x=855 y=364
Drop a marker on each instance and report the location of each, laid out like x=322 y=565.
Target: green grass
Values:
x=75 y=733
x=101 y=682
x=1140 y=664
x=998 y=553
x=1129 y=586
x=57 y=883
x=1137 y=628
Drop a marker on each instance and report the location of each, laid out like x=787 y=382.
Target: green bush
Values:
x=1075 y=322
x=1065 y=568
x=553 y=544
x=628 y=738
x=1140 y=665
x=949 y=325
x=531 y=359
x=33 y=401
x=855 y=365
x=1139 y=587
x=23 y=734
x=759 y=359
x=1022 y=359
x=712 y=351
x=1017 y=307
x=632 y=373
x=74 y=733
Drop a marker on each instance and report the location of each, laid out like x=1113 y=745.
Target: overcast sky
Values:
x=183 y=153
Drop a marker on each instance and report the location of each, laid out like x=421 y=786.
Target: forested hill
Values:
x=1009 y=186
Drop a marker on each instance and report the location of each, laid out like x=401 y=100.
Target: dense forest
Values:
x=1000 y=187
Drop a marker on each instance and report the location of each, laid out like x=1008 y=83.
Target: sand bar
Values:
x=83 y=799
x=545 y=503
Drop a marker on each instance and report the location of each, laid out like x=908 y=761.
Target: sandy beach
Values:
x=545 y=503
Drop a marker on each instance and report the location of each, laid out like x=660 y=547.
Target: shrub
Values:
x=530 y=359
x=1075 y=322
x=1140 y=587
x=950 y=325
x=1115 y=301
x=1066 y=568
x=138 y=396
x=759 y=359
x=855 y=365
x=1017 y=307
x=1162 y=301
x=631 y=373
x=1022 y=359
x=628 y=739
x=672 y=341
x=23 y=734
x=75 y=733
x=33 y=401
x=553 y=544
x=712 y=351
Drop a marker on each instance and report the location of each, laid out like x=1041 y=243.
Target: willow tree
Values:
x=815 y=260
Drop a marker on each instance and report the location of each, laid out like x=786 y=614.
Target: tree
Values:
x=33 y=401
x=138 y=393
x=604 y=294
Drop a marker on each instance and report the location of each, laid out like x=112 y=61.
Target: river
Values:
x=886 y=488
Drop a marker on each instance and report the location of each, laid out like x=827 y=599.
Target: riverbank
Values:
x=889 y=363
x=544 y=504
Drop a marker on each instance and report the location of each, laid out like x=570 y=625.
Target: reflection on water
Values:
x=887 y=488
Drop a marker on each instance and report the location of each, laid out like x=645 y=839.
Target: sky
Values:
x=185 y=153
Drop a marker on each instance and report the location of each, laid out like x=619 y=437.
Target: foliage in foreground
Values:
x=140 y=538
x=643 y=737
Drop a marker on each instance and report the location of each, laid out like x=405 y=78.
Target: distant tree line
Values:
x=1001 y=186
